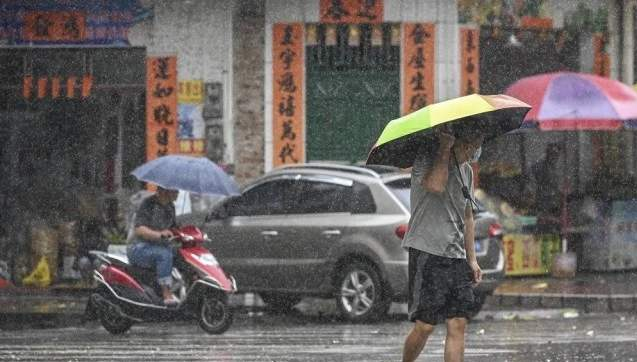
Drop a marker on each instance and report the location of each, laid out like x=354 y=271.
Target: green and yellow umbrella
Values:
x=490 y=115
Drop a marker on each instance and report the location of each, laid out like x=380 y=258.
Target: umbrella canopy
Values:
x=194 y=174
x=491 y=115
x=567 y=101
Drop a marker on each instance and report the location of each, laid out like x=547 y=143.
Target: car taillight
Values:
x=495 y=230
x=401 y=230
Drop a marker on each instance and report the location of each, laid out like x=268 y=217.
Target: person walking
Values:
x=442 y=262
x=153 y=221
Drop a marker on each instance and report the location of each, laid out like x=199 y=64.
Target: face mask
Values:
x=476 y=155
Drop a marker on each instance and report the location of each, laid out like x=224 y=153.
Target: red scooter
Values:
x=128 y=294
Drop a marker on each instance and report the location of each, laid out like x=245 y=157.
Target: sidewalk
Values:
x=587 y=293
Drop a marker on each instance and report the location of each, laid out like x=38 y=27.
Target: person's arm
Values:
x=469 y=244
x=147 y=233
x=435 y=178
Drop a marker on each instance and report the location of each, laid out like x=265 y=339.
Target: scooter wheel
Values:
x=115 y=324
x=215 y=315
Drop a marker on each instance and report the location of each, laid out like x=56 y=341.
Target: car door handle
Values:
x=269 y=233
x=331 y=232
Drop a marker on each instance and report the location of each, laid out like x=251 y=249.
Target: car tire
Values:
x=278 y=302
x=360 y=293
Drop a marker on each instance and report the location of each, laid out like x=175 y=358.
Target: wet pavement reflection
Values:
x=264 y=336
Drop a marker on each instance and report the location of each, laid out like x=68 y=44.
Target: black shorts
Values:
x=439 y=288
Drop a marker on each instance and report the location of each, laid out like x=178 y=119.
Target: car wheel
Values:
x=280 y=302
x=360 y=295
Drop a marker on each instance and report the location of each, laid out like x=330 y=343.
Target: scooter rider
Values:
x=153 y=221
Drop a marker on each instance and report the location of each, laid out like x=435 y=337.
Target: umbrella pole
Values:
x=564 y=190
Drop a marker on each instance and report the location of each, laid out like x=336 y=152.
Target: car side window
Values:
x=269 y=198
x=321 y=197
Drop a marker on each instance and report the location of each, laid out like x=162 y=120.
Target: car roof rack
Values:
x=333 y=167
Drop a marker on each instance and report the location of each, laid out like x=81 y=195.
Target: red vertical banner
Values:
x=418 y=65
x=161 y=106
x=287 y=94
x=469 y=61
x=351 y=11
x=601 y=59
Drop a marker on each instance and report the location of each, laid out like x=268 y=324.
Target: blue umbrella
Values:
x=193 y=174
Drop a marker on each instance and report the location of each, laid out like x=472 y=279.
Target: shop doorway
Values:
x=353 y=90
x=72 y=124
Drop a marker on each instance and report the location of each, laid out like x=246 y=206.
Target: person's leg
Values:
x=163 y=261
x=454 y=343
x=161 y=258
x=416 y=340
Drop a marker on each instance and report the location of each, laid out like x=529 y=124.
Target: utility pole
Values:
x=614 y=38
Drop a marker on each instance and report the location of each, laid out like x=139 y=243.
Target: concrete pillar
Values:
x=628 y=41
x=628 y=59
x=614 y=38
x=248 y=47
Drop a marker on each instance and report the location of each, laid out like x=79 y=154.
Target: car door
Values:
x=242 y=229
x=319 y=212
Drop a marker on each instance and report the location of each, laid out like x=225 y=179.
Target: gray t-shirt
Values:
x=436 y=220
x=153 y=214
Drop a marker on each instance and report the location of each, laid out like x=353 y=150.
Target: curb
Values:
x=588 y=303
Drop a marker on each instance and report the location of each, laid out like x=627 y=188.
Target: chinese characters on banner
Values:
x=418 y=66
x=287 y=94
x=469 y=61
x=351 y=11
x=191 y=133
x=54 y=26
x=601 y=59
x=161 y=106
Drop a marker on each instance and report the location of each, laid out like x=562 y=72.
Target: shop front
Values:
x=72 y=121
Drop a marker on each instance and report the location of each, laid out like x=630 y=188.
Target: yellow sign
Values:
x=528 y=254
x=192 y=147
x=190 y=91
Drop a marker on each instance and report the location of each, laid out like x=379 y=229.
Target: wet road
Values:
x=266 y=337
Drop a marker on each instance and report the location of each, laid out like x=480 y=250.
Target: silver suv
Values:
x=328 y=230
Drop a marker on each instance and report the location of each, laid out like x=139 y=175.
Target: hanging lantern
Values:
x=87 y=83
x=42 y=87
x=55 y=87
x=377 y=35
x=70 y=87
x=311 y=36
x=354 y=36
x=27 y=86
x=395 y=35
x=330 y=35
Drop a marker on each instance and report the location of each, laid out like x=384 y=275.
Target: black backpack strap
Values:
x=465 y=189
